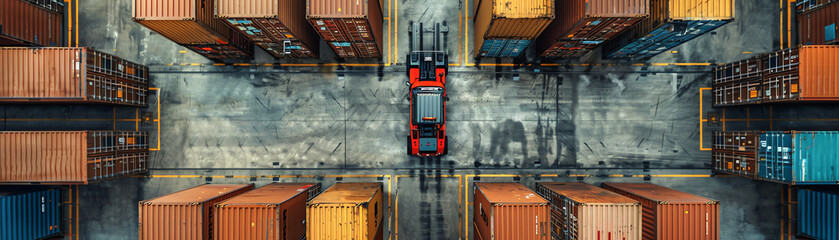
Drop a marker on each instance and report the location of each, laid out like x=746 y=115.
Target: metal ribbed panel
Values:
x=165 y=9
x=41 y=73
x=617 y=8
x=336 y=221
x=819 y=72
x=688 y=221
x=692 y=10
x=337 y=8
x=522 y=8
x=187 y=214
x=30 y=215
x=818 y=214
x=248 y=8
x=429 y=105
x=520 y=221
x=25 y=23
x=43 y=157
x=609 y=221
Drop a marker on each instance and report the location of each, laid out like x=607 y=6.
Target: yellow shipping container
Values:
x=511 y=19
x=691 y=10
x=346 y=211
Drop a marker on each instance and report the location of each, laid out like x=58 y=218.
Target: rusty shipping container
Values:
x=583 y=25
x=735 y=153
x=807 y=73
x=505 y=21
x=803 y=6
x=346 y=211
x=819 y=25
x=352 y=28
x=277 y=26
x=187 y=214
x=31 y=23
x=509 y=211
x=274 y=211
x=192 y=23
x=70 y=75
x=582 y=211
x=75 y=157
x=671 y=214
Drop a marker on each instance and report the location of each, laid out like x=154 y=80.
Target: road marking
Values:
x=701 y=120
x=157 y=120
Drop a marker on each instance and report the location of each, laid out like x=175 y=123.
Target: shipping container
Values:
x=671 y=214
x=29 y=213
x=277 y=26
x=187 y=214
x=818 y=214
x=582 y=211
x=583 y=25
x=274 y=211
x=192 y=23
x=505 y=28
x=70 y=75
x=819 y=26
x=76 y=157
x=735 y=153
x=671 y=22
x=804 y=6
x=744 y=70
x=799 y=157
x=807 y=73
x=346 y=211
x=31 y=23
x=353 y=28
x=509 y=211
x=738 y=83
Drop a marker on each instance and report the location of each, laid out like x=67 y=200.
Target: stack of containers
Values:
x=277 y=26
x=78 y=157
x=582 y=211
x=187 y=214
x=70 y=75
x=509 y=211
x=799 y=157
x=818 y=214
x=274 y=211
x=671 y=214
x=671 y=22
x=346 y=211
x=738 y=83
x=505 y=28
x=191 y=23
x=817 y=22
x=31 y=22
x=583 y=25
x=735 y=153
x=352 y=28
x=29 y=214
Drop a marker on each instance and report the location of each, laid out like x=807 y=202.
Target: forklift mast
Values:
x=427 y=60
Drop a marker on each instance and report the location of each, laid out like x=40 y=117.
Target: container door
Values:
x=776 y=153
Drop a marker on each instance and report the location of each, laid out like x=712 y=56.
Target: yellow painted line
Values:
x=353 y=176
x=637 y=64
x=781 y=25
x=682 y=175
x=395 y=208
x=674 y=51
x=175 y=176
x=746 y=52
x=182 y=51
x=466 y=202
x=789 y=21
x=195 y=64
x=157 y=120
x=390 y=32
x=659 y=64
x=69 y=24
x=701 y=120
x=579 y=175
x=692 y=64
x=396 y=32
x=466 y=44
x=218 y=64
x=169 y=64
x=137 y=116
x=77 y=41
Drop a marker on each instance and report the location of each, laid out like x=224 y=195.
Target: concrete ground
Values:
x=609 y=121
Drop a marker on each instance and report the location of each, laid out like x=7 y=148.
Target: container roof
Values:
x=508 y=193
x=348 y=193
x=585 y=193
x=274 y=193
x=197 y=194
x=522 y=8
x=658 y=193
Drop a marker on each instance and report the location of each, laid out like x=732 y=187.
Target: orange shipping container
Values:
x=582 y=211
x=186 y=214
x=352 y=28
x=77 y=157
x=807 y=73
x=71 y=75
x=36 y=23
x=509 y=211
x=511 y=19
x=583 y=25
x=346 y=211
x=278 y=26
x=671 y=214
x=274 y=211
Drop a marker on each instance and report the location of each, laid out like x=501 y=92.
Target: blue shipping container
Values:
x=30 y=215
x=667 y=36
x=818 y=214
x=799 y=157
x=503 y=48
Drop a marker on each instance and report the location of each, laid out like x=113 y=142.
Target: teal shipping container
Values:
x=504 y=48
x=818 y=214
x=28 y=214
x=799 y=157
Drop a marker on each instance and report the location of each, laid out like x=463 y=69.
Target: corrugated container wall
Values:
x=671 y=214
x=738 y=83
x=807 y=73
x=352 y=28
x=509 y=211
x=818 y=214
x=346 y=211
x=29 y=214
x=35 y=23
x=70 y=75
x=509 y=20
x=192 y=23
x=735 y=153
x=277 y=26
x=671 y=22
x=808 y=5
x=583 y=25
x=187 y=214
x=819 y=26
x=796 y=157
x=76 y=157
x=274 y=211
x=582 y=211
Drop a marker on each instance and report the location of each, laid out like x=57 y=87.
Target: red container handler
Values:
x=31 y=23
x=352 y=28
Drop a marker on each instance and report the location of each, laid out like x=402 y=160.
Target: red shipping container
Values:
x=274 y=211
x=35 y=23
x=357 y=23
x=818 y=26
x=582 y=25
x=509 y=211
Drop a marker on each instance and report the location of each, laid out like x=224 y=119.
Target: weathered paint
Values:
x=819 y=25
x=346 y=211
x=358 y=22
x=663 y=38
x=277 y=26
x=509 y=20
x=28 y=214
x=818 y=214
x=509 y=211
x=274 y=211
x=582 y=211
x=799 y=157
x=583 y=25
x=735 y=152
x=31 y=23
